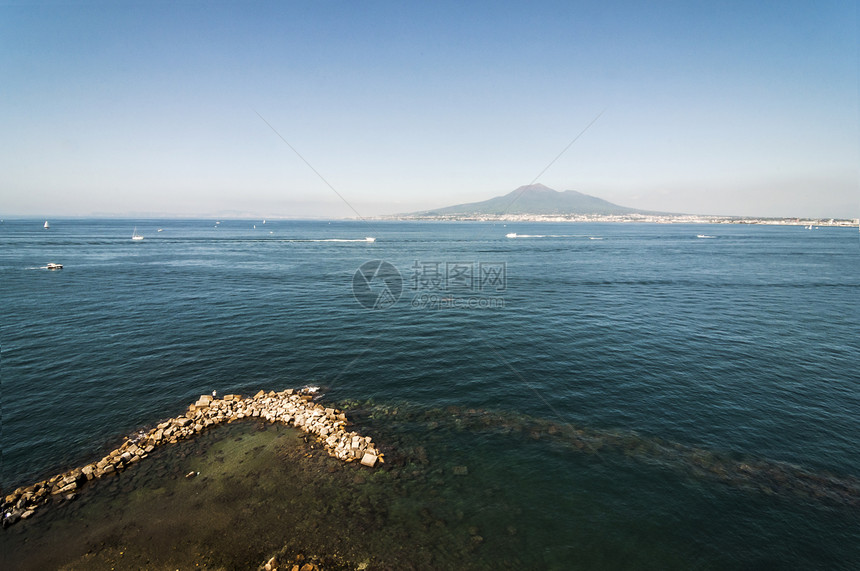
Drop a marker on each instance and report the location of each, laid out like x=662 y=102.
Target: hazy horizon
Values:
x=311 y=212
x=152 y=109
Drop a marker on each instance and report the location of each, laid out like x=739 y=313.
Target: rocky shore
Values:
x=290 y=407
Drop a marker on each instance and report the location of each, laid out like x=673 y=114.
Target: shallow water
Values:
x=459 y=488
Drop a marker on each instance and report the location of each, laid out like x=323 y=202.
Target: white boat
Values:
x=369 y=239
x=52 y=266
x=46 y=226
x=511 y=235
x=135 y=236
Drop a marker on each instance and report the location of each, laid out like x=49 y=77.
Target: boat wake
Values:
x=364 y=240
x=515 y=235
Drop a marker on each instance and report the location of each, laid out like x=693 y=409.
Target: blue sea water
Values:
x=742 y=344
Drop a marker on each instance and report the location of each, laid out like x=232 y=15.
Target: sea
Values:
x=547 y=395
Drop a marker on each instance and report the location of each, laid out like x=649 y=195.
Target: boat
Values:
x=52 y=266
x=511 y=235
x=135 y=235
x=46 y=226
x=369 y=239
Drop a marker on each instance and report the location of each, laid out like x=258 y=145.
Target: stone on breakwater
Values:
x=288 y=407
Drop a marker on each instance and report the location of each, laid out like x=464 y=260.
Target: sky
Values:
x=273 y=109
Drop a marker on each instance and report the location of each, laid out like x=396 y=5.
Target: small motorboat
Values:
x=52 y=266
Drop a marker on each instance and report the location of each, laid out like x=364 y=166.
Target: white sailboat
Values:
x=46 y=226
x=135 y=235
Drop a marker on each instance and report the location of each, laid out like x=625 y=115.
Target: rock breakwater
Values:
x=290 y=407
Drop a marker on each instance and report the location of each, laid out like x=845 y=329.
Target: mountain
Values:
x=535 y=199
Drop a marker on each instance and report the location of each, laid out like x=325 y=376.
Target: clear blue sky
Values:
x=150 y=108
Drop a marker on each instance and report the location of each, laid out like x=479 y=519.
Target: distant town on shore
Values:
x=538 y=203
x=641 y=218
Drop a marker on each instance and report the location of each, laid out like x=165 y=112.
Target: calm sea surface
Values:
x=739 y=348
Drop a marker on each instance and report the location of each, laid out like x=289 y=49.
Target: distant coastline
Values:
x=616 y=218
x=539 y=203
x=631 y=218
